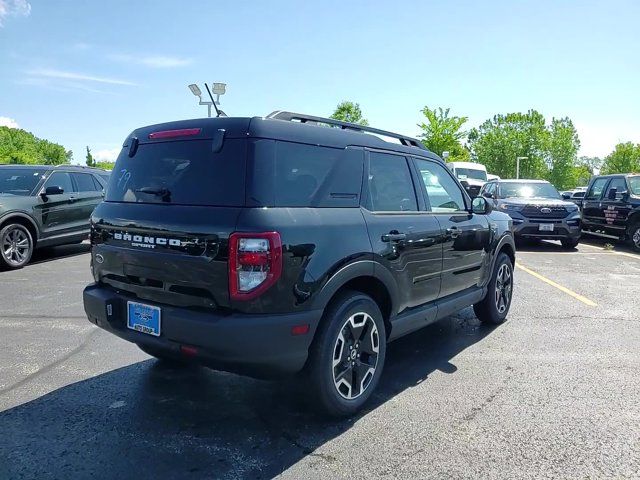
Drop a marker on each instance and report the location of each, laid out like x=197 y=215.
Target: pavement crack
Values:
x=50 y=366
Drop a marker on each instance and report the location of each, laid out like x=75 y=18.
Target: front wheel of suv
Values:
x=16 y=246
x=494 y=307
x=347 y=356
x=570 y=243
x=634 y=236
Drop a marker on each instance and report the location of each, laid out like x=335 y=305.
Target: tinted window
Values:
x=634 y=182
x=528 y=190
x=390 y=184
x=19 y=181
x=443 y=191
x=464 y=173
x=181 y=173
x=60 y=179
x=596 y=189
x=619 y=184
x=84 y=182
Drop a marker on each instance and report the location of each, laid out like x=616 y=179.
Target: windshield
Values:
x=634 y=183
x=180 y=173
x=475 y=174
x=19 y=181
x=528 y=190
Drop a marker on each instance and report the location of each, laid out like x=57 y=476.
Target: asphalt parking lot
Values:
x=552 y=393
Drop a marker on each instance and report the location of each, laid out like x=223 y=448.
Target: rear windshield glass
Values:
x=19 y=181
x=180 y=173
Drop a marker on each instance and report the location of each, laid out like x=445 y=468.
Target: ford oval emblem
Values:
x=545 y=210
x=99 y=258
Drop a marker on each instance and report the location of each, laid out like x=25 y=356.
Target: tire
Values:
x=16 y=246
x=570 y=243
x=167 y=358
x=494 y=307
x=634 y=236
x=341 y=380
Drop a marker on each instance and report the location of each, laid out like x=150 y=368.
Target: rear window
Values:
x=181 y=173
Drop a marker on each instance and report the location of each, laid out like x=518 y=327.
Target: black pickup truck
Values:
x=611 y=207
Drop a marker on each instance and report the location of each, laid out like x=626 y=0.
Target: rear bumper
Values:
x=256 y=345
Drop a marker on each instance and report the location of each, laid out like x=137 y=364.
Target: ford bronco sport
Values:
x=271 y=246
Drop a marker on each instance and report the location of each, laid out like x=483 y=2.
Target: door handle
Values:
x=393 y=237
x=453 y=232
x=72 y=198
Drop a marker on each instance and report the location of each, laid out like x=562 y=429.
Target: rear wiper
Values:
x=163 y=193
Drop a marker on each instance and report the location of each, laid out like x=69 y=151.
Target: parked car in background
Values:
x=42 y=206
x=537 y=210
x=611 y=207
x=472 y=176
x=491 y=176
x=576 y=196
x=272 y=246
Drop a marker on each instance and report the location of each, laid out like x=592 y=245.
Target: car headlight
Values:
x=510 y=207
x=572 y=208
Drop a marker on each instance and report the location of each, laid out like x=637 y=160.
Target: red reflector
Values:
x=253 y=258
x=188 y=350
x=300 y=330
x=185 y=132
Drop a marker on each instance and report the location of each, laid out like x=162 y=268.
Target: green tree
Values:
x=562 y=152
x=347 y=111
x=104 y=165
x=20 y=147
x=625 y=158
x=91 y=162
x=443 y=133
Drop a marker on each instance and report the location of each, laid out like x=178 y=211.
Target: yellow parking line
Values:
x=575 y=295
x=615 y=252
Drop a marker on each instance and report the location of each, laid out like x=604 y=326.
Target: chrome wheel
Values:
x=504 y=284
x=635 y=238
x=16 y=246
x=355 y=355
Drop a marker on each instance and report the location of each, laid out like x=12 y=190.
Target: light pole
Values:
x=518 y=165
x=218 y=89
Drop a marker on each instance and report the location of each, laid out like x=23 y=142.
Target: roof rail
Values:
x=303 y=118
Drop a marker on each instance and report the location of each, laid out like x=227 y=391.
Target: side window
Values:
x=443 y=192
x=489 y=189
x=390 y=185
x=595 y=192
x=619 y=184
x=60 y=179
x=84 y=182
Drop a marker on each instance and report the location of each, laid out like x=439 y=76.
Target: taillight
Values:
x=183 y=132
x=255 y=263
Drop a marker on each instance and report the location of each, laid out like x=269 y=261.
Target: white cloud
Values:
x=61 y=74
x=14 y=8
x=107 y=154
x=153 y=61
x=8 y=122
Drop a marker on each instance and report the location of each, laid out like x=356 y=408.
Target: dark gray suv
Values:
x=537 y=210
x=43 y=206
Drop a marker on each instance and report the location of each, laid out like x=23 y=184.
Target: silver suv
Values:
x=537 y=209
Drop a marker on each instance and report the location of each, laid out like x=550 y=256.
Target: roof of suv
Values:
x=519 y=180
x=617 y=175
x=308 y=132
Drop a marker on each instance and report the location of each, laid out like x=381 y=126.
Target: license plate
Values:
x=545 y=227
x=143 y=318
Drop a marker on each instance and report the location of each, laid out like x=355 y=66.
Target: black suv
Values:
x=611 y=207
x=43 y=206
x=270 y=246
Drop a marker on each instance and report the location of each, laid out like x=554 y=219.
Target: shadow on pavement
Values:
x=148 y=421
x=48 y=254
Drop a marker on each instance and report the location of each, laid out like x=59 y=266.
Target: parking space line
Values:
x=575 y=295
x=615 y=252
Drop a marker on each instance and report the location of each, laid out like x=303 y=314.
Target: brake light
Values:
x=255 y=263
x=185 y=132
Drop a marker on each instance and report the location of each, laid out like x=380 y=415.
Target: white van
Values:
x=472 y=175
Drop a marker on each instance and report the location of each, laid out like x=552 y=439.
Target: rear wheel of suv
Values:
x=494 y=307
x=570 y=243
x=634 y=235
x=348 y=354
x=16 y=246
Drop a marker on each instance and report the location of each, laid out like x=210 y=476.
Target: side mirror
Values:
x=465 y=184
x=611 y=195
x=480 y=206
x=53 y=190
x=566 y=196
x=487 y=195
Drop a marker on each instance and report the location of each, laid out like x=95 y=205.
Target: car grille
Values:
x=544 y=211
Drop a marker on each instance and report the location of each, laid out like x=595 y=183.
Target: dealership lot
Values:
x=554 y=392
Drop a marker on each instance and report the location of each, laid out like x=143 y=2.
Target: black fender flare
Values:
x=16 y=213
x=360 y=268
x=506 y=239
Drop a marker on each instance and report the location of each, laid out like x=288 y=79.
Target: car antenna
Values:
x=219 y=113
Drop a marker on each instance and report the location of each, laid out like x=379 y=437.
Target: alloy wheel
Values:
x=504 y=286
x=635 y=238
x=16 y=246
x=355 y=355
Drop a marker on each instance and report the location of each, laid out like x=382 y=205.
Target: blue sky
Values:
x=87 y=73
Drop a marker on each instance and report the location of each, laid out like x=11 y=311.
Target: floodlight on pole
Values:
x=195 y=89
x=518 y=165
x=219 y=89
